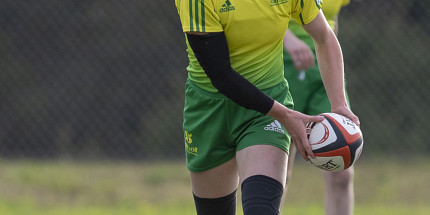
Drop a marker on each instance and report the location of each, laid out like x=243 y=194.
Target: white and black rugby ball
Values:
x=336 y=142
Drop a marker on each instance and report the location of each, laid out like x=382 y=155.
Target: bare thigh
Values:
x=254 y=160
x=262 y=160
x=216 y=182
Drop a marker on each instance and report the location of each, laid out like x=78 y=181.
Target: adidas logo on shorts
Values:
x=274 y=126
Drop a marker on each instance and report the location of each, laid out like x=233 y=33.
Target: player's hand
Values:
x=296 y=127
x=302 y=55
x=295 y=123
x=347 y=113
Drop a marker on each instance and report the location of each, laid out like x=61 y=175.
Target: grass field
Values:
x=390 y=187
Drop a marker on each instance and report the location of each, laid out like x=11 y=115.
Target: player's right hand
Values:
x=295 y=124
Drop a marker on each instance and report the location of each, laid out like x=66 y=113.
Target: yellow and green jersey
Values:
x=254 y=32
x=330 y=8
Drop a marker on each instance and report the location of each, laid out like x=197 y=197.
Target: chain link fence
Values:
x=105 y=79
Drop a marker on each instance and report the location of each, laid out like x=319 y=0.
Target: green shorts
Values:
x=215 y=127
x=309 y=94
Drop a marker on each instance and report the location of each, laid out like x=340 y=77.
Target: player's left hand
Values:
x=345 y=111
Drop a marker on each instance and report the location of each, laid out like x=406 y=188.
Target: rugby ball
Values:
x=336 y=142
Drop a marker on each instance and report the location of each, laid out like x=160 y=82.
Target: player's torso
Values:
x=258 y=21
x=254 y=31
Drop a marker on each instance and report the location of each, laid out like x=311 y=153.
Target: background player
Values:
x=308 y=92
x=236 y=114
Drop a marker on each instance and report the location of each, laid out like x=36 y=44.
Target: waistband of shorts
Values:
x=192 y=85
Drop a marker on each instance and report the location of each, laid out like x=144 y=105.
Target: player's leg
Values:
x=291 y=158
x=290 y=164
x=262 y=147
x=214 y=190
x=209 y=152
x=262 y=170
x=339 y=199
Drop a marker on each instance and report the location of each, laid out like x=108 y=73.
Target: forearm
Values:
x=330 y=61
x=289 y=38
x=301 y=54
x=279 y=111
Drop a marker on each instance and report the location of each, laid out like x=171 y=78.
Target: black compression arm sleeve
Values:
x=211 y=50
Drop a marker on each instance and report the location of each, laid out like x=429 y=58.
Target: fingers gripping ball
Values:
x=336 y=142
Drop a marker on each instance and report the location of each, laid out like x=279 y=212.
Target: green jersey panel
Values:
x=254 y=31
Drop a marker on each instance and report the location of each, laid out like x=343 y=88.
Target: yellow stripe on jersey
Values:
x=199 y=15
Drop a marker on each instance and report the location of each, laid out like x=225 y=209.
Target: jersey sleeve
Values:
x=198 y=16
x=304 y=11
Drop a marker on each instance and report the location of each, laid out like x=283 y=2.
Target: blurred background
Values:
x=103 y=82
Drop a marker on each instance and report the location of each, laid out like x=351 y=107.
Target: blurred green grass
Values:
x=385 y=186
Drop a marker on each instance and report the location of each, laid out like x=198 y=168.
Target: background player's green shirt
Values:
x=254 y=31
x=330 y=9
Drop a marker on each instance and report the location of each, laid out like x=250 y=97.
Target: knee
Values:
x=218 y=206
x=261 y=195
x=340 y=179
